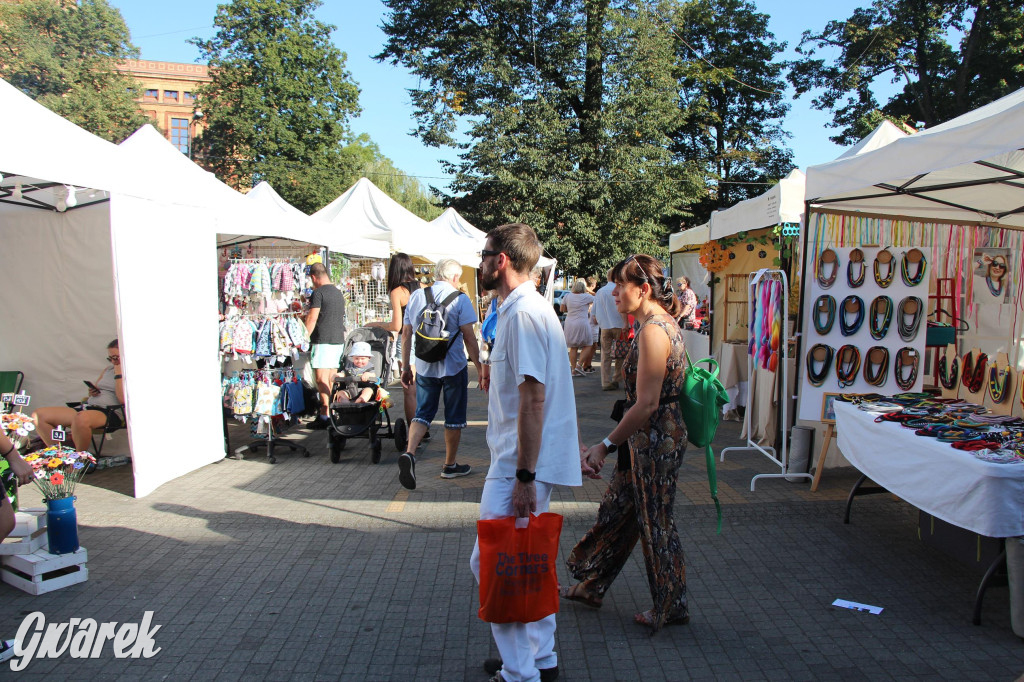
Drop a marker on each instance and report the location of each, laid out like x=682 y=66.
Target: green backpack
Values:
x=701 y=404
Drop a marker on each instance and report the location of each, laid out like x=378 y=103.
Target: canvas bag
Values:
x=518 y=577
x=701 y=403
x=432 y=336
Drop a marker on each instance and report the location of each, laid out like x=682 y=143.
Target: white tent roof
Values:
x=364 y=210
x=968 y=169
x=879 y=137
x=783 y=203
x=268 y=202
x=694 y=236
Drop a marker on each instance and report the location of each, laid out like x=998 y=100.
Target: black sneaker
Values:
x=493 y=665
x=455 y=470
x=318 y=424
x=407 y=471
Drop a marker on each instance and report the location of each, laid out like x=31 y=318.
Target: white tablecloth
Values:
x=935 y=477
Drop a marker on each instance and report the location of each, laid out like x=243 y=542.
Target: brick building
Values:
x=168 y=97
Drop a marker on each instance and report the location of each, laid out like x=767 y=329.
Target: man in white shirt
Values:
x=611 y=322
x=531 y=427
x=448 y=376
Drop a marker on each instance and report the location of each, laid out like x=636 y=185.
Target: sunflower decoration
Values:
x=713 y=257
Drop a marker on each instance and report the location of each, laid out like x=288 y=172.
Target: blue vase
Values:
x=62 y=525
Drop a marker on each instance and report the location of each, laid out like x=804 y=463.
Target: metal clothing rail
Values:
x=783 y=368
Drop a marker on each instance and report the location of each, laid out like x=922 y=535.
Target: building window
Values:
x=180 y=134
x=170 y=95
x=189 y=97
x=151 y=96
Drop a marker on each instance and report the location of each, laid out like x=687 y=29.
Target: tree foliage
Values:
x=950 y=55
x=278 y=106
x=64 y=54
x=733 y=103
x=562 y=110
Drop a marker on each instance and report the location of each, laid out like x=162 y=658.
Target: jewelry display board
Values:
x=863 y=337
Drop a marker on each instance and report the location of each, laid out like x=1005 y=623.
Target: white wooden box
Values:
x=28 y=521
x=24 y=545
x=42 y=572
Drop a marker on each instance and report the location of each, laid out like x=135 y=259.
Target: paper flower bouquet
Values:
x=58 y=470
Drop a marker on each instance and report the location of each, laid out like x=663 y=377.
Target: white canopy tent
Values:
x=970 y=169
x=687 y=239
x=134 y=257
x=783 y=203
x=266 y=200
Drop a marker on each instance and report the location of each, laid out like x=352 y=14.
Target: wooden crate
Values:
x=42 y=572
x=26 y=544
x=28 y=521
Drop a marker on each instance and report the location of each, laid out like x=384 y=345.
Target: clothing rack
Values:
x=780 y=459
x=285 y=314
x=268 y=443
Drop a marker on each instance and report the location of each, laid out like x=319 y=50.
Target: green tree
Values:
x=278 y=106
x=731 y=96
x=562 y=110
x=64 y=54
x=951 y=56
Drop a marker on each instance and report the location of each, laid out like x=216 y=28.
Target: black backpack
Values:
x=432 y=336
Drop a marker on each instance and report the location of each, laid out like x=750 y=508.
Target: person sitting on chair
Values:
x=354 y=385
x=92 y=413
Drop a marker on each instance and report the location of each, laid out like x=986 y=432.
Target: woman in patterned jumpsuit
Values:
x=638 y=504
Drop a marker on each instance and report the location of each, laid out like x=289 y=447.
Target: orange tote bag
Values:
x=518 y=580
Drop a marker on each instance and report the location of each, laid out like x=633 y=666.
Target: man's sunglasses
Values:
x=484 y=253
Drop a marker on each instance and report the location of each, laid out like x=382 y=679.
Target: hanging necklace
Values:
x=847 y=365
x=887 y=264
x=998 y=381
x=827 y=305
x=880 y=319
x=876 y=365
x=823 y=354
x=948 y=377
x=995 y=291
x=856 y=263
x=911 y=259
x=849 y=329
x=973 y=372
x=906 y=357
x=828 y=257
x=910 y=307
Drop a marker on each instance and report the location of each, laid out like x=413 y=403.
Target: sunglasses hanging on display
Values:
x=913 y=267
x=884 y=262
x=999 y=380
x=909 y=317
x=819 y=355
x=876 y=365
x=948 y=375
x=881 y=317
x=852 y=305
x=847 y=365
x=824 y=306
x=828 y=261
x=906 y=358
x=973 y=373
x=855 y=269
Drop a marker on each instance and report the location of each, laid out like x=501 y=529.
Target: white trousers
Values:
x=524 y=647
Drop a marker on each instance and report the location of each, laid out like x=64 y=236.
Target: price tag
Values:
x=7 y=398
x=57 y=435
x=22 y=399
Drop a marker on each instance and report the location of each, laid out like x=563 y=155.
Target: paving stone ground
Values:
x=307 y=570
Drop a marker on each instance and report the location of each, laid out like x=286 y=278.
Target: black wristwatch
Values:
x=526 y=476
x=609 y=446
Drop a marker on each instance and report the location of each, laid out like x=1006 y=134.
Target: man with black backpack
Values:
x=438 y=328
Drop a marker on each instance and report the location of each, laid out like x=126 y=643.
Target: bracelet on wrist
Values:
x=4 y=454
x=117 y=376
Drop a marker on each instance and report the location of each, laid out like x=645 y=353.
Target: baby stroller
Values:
x=369 y=419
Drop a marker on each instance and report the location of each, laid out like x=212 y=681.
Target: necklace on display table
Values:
x=948 y=376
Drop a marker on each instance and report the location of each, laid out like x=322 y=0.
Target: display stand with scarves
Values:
x=768 y=301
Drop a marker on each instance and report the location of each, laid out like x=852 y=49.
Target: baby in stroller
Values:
x=357 y=382
x=358 y=400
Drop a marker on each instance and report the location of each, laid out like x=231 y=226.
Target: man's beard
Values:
x=489 y=281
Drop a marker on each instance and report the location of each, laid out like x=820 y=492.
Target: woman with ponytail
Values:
x=639 y=500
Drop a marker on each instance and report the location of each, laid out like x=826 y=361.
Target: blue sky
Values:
x=387 y=111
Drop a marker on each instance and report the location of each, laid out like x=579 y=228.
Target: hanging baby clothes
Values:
x=266 y=396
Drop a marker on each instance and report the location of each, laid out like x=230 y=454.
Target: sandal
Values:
x=648 y=618
x=578 y=593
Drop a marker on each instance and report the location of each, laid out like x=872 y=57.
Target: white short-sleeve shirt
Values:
x=529 y=342
x=460 y=312
x=608 y=316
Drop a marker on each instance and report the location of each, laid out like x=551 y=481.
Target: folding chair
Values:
x=99 y=436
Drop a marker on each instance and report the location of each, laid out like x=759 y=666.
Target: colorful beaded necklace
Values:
x=908 y=329
x=818 y=378
x=948 y=377
x=827 y=305
x=849 y=329
x=998 y=381
x=906 y=357
x=973 y=373
x=847 y=365
x=880 y=319
x=922 y=267
x=857 y=280
x=827 y=281
x=876 y=372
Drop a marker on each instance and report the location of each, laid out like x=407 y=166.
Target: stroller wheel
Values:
x=337 y=445
x=375 y=448
x=401 y=434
